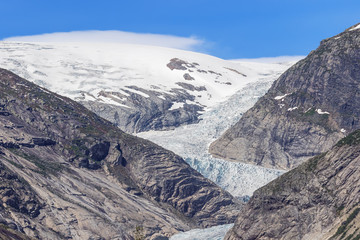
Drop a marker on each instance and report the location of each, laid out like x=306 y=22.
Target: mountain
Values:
x=137 y=87
x=317 y=200
x=306 y=111
x=79 y=69
x=67 y=173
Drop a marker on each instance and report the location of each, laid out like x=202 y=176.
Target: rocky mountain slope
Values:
x=306 y=111
x=66 y=173
x=317 y=200
x=139 y=88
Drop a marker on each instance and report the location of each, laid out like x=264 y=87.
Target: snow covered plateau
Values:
x=116 y=80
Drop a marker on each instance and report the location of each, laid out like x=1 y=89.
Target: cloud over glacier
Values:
x=185 y=43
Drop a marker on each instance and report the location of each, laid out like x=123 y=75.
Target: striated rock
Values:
x=86 y=179
x=317 y=200
x=9 y=234
x=306 y=111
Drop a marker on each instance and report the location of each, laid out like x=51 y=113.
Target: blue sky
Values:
x=227 y=29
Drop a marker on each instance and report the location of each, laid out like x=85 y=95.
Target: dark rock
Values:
x=160 y=238
x=84 y=163
x=188 y=77
x=191 y=87
x=43 y=142
x=177 y=64
x=16 y=194
x=5 y=113
x=28 y=145
x=94 y=166
x=9 y=145
x=99 y=151
x=212 y=72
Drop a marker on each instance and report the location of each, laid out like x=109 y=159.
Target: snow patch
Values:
x=88 y=97
x=111 y=101
x=319 y=111
x=137 y=92
x=162 y=97
x=176 y=105
x=355 y=28
x=281 y=97
x=292 y=109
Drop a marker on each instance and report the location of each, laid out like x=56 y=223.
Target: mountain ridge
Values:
x=306 y=111
x=317 y=200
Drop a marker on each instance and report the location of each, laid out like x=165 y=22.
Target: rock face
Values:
x=150 y=112
x=306 y=111
x=317 y=200
x=9 y=234
x=66 y=173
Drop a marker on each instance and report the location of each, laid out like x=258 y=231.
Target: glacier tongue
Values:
x=192 y=141
x=213 y=233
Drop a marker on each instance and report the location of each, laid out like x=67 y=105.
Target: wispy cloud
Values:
x=185 y=43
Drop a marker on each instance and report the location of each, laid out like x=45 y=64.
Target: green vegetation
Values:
x=357 y=237
x=310 y=112
x=351 y=236
x=8 y=233
x=344 y=225
x=44 y=167
x=352 y=139
x=313 y=117
x=14 y=163
x=339 y=209
x=78 y=147
x=312 y=163
x=139 y=233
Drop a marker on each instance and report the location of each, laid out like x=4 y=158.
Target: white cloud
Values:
x=185 y=43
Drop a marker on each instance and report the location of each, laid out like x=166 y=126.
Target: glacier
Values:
x=72 y=69
x=192 y=141
x=213 y=233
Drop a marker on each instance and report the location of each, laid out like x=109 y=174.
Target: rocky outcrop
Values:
x=9 y=234
x=68 y=173
x=317 y=200
x=306 y=111
x=148 y=110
